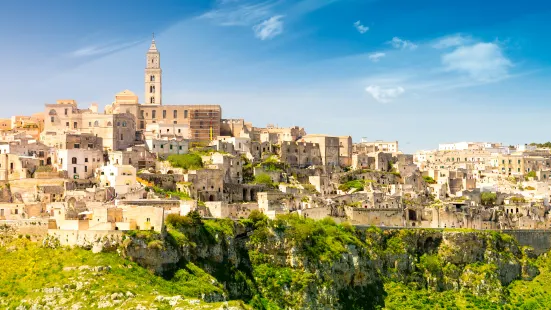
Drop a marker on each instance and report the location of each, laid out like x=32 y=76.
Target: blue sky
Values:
x=420 y=72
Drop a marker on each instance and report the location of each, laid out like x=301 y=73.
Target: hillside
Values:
x=288 y=263
x=79 y=279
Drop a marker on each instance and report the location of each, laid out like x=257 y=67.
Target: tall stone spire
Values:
x=153 y=75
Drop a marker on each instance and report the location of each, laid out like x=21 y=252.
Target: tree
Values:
x=488 y=198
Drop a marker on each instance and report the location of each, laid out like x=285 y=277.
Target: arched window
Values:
x=123 y=124
x=152 y=89
x=152 y=100
x=96 y=124
x=74 y=160
x=109 y=124
x=152 y=78
x=53 y=112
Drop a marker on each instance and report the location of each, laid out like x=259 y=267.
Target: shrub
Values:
x=156 y=245
x=263 y=179
x=488 y=198
x=429 y=180
x=354 y=184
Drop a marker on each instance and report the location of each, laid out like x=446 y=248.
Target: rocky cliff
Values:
x=296 y=263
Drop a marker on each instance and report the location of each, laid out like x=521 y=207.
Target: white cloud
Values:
x=451 y=41
x=228 y=13
x=402 y=44
x=384 y=95
x=269 y=28
x=95 y=50
x=375 y=57
x=482 y=61
x=361 y=28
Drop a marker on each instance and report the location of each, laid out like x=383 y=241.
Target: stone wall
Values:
x=36 y=228
x=166 y=181
x=96 y=240
x=540 y=240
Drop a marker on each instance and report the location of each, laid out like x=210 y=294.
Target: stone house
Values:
x=300 y=154
x=79 y=163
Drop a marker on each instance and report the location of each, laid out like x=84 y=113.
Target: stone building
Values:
x=277 y=135
x=521 y=164
x=329 y=148
x=203 y=184
x=203 y=121
x=345 y=153
x=118 y=131
x=376 y=146
x=71 y=140
x=164 y=147
x=137 y=156
x=300 y=154
x=79 y=163
x=120 y=177
x=236 y=128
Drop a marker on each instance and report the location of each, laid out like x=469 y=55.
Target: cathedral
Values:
x=199 y=123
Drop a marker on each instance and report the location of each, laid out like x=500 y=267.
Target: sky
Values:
x=421 y=72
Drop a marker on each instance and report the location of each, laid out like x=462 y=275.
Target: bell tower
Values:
x=153 y=72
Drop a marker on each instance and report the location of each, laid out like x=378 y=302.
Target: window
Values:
x=152 y=100
x=168 y=130
x=123 y=124
x=171 y=146
x=66 y=111
x=89 y=124
x=86 y=159
x=53 y=112
x=109 y=124
x=175 y=114
x=152 y=89
x=52 y=119
x=90 y=145
x=85 y=168
x=180 y=147
x=175 y=122
x=519 y=161
x=142 y=112
x=164 y=113
x=142 y=125
x=185 y=113
x=152 y=78
x=153 y=114
x=74 y=160
x=122 y=137
x=118 y=124
x=66 y=124
x=76 y=145
x=179 y=130
x=75 y=125
x=162 y=146
x=96 y=124
x=74 y=169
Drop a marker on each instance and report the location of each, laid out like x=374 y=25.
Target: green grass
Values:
x=186 y=161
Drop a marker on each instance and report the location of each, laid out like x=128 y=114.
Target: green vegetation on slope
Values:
x=186 y=161
x=35 y=275
x=287 y=263
x=521 y=294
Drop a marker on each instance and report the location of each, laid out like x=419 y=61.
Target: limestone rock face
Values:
x=295 y=274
